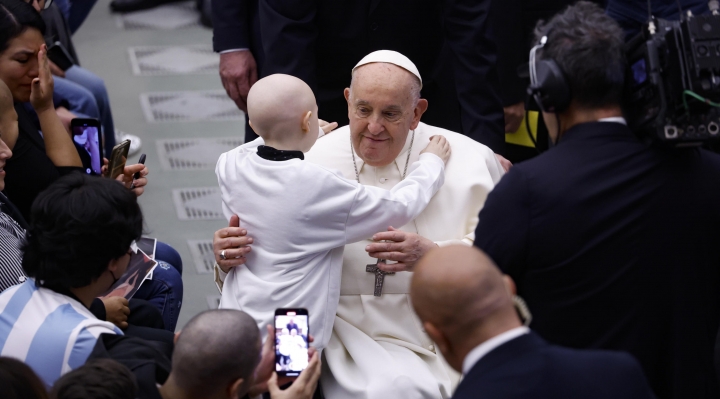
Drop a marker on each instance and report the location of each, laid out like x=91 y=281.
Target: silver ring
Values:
x=222 y=255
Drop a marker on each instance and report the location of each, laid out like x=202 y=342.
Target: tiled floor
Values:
x=194 y=154
x=173 y=60
x=189 y=106
x=162 y=78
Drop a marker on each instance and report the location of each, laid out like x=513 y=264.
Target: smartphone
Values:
x=88 y=141
x=118 y=158
x=292 y=329
x=60 y=56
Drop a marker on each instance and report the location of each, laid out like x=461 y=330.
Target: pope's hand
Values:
x=234 y=241
x=403 y=247
x=506 y=165
x=265 y=376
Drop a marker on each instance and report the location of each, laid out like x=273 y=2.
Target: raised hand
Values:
x=41 y=91
x=327 y=127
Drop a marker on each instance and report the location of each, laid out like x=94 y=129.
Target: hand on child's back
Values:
x=438 y=146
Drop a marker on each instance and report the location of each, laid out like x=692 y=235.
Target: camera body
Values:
x=673 y=87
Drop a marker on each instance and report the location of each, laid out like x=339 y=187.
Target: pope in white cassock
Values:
x=378 y=349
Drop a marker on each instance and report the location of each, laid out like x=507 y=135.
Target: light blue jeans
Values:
x=75 y=11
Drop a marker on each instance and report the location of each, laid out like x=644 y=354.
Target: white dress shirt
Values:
x=614 y=119
x=486 y=347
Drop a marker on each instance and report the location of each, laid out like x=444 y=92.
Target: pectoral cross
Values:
x=379 y=276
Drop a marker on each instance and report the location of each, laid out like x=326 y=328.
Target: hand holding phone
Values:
x=292 y=329
x=136 y=176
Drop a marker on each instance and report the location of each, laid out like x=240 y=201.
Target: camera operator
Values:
x=612 y=242
x=633 y=14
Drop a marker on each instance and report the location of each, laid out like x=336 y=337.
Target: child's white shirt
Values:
x=300 y=216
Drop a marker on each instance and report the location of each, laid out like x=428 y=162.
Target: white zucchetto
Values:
x=390 y=57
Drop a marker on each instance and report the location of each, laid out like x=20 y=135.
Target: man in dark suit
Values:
x=236 y=36
x=467 y=309
x=449 y=41
x=612 y=241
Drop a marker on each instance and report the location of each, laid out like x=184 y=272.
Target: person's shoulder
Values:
x=604 y=365
x=333 y=139
x=711 y=159
x=458 y=141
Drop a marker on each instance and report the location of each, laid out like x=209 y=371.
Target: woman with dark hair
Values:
x=43 y=150
x=39 y=158
x=19 y=381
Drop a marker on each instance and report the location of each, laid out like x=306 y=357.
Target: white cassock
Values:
x=378 y=349
x=300 y=216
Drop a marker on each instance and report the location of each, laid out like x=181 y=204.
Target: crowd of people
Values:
x=434 y=259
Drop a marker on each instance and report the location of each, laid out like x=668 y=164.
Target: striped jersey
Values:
x=11 y=236
x=51 y=332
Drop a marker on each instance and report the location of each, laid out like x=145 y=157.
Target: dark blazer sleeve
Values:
x=469 y=35
x=503 y=229
x=289 y=35
x=231 y=24
x=512 y=50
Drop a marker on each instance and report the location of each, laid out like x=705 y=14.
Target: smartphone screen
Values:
x=86 y=135
x=291 y=341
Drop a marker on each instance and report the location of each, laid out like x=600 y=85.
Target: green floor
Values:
x=102 y=45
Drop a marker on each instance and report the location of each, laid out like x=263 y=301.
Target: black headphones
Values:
x=548 y=85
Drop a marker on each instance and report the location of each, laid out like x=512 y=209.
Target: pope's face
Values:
x=382 y=111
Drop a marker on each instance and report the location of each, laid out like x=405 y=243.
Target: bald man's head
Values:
x=216 y=348
x=277 y=105
x=460 y=291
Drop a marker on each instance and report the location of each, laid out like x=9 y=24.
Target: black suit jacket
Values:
x=450 y=42
x=614 y=244
x=527 y=367
x=236 y=24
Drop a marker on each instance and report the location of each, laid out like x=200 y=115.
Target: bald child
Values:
x=300 y=214
x=466 y=307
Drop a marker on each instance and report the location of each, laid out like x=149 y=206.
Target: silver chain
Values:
x=407 y=161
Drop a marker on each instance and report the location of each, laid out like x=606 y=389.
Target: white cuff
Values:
x=219 y=277
x=233 y=50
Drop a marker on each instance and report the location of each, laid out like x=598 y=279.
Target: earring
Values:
x=522 y=310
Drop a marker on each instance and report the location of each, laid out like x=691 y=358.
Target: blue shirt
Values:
x=51 y=332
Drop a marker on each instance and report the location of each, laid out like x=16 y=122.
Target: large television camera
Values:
x=674 y=83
